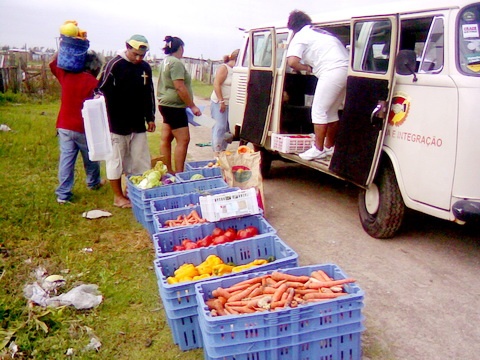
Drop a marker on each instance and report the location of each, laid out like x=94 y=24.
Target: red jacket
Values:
x=76 y=88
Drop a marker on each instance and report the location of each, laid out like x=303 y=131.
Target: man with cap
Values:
x=126 y=83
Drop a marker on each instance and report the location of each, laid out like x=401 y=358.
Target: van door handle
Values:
x=380 y=111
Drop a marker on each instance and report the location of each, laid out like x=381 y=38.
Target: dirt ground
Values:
x=422 y=288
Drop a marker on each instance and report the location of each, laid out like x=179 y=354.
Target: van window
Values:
x=468 y=33
x=371 y=46
x=246 y=55
x=432 y=60
x=426 y=37
x=341 y=32
x=263 y=49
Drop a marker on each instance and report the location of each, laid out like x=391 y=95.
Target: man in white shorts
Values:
x=322 y=54
x=126 y=83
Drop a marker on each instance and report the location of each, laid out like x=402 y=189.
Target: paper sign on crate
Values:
x=229 y=205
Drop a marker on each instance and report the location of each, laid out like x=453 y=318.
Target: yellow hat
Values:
x=138 y=42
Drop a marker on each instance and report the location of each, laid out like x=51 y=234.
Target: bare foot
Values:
x=123 y=203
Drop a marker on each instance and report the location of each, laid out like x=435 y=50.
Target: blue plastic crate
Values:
x=181 y=296
x=335 y=323
x=345 y=345
x=179 y=300
x=179 y=201
x=165 y=241
x=204 y=185
x=209 y=172
x=194 y=165
x=138 y=213
x=159 y=218
x=140 y=199
x=159 y=191
x=186 y=331
x=172 y=202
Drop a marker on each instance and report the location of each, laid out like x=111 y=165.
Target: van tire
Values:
x=381 y=207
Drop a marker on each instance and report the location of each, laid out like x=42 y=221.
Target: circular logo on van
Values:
x=399 y=109
x=469 y=16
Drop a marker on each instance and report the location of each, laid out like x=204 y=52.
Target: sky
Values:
x=209 y=28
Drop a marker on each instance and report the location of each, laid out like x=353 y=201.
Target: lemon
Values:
x=69 y=29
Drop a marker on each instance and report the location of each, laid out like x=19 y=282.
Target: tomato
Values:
x=186 y=241
x=208 y=239
x=191 y=245
x=231 y=234
x=217 y=232
x=221 y=239
x=242 y=234
x=178 y=248
x=201 y=243
x=251 y=231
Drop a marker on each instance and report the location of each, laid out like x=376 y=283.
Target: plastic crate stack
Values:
x=328 y=329
x=179 y=299
x=189 y=189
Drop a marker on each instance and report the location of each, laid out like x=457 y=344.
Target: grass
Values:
x=36 y=232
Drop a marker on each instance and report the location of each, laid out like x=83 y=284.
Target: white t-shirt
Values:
x=319 y=50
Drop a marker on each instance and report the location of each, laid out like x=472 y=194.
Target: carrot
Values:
x=276 y=275
x=221 y=292
x=241 y=309
x=305 y=291
x=194 y=214
x=320 y=275
x=237 y=287
x=256 y=292
x=238 y=303
x=269 y=281
x=295 y=284
x=321 y=296
x=320 y=284
x=290 y=295
x=277 y=304
x=230 y=310
x=269 y=290
x=251 y=281
x=326 y=290
x=277 y=295
x=217 y=305
x=278 y=283
x=244 y=293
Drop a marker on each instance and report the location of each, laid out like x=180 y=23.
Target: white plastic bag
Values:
x=95 y=119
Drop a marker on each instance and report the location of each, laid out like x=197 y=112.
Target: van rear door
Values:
x=369 y=87
x=261 y=84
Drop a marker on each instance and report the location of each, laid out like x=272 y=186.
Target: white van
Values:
x=410 y=127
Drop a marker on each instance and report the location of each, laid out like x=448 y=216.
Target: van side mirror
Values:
x=406 y=62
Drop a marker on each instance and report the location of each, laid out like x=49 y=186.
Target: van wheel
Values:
x=265 y=161
x=381 y=207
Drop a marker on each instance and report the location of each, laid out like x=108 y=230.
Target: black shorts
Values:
x=175 y=117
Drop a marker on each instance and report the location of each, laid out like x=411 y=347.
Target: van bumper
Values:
x=466 y=210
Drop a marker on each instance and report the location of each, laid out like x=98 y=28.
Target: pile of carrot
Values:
x=183 y=220
x=275 y=291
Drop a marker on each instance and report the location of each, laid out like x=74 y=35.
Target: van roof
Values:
x=401 y=7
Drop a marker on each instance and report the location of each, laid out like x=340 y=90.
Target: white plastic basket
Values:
x=228 y=205
x=292 y=143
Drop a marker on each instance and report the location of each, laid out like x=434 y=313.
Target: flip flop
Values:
x=124 y=206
